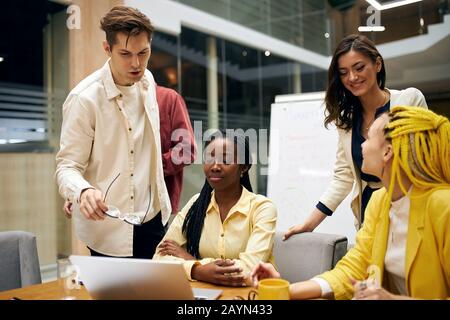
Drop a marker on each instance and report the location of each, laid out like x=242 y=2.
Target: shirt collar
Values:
x=242 y=206
x=111 y=88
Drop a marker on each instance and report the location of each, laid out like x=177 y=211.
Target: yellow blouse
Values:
x=245 y=236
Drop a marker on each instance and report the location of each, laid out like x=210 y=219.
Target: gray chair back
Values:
x=19 y=262
x=306 y=255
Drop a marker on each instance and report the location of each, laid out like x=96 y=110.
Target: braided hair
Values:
x=195 y=218
x=420 y=141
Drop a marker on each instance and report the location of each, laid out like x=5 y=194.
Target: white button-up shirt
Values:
x=97 y=144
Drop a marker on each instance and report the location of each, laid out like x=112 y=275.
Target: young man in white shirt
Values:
x=109 y=162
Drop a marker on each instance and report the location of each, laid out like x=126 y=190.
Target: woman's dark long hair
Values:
x=195 y=218
x=341 y=103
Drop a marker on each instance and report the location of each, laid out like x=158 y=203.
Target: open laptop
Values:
x=137 y=279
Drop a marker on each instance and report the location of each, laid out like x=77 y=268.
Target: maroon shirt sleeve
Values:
x=174 y=115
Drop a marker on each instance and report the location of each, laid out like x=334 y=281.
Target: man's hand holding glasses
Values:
x=92 y=205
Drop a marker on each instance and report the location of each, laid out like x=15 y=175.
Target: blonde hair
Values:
x=421 y=146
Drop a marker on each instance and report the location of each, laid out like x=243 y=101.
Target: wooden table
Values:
x=52 y=291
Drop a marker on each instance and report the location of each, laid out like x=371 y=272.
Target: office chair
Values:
x=308 y=254
x=19 y=262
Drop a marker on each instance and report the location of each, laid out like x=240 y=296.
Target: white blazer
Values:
x=346 y=177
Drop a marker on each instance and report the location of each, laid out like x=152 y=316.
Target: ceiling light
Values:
x=391 y=4
x=2 y=59
x=267 y=53
x=17 y=140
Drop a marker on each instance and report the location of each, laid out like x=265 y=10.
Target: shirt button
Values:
x=129 y=129
x=132 y=151
x=120 y=109
x=222 y=234
x=132 y=197
x=131 y=174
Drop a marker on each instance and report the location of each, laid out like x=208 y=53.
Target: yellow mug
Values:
x=273 y=289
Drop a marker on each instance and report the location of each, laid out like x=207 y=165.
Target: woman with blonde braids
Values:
x=403 y=249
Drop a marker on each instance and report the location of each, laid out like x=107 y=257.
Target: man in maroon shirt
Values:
x=173 y=115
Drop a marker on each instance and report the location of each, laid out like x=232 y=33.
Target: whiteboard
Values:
x=302 y=155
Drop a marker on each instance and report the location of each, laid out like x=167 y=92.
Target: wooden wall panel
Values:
x=86 y=50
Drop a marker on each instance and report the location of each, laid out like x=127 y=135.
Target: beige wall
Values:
x=28 y=202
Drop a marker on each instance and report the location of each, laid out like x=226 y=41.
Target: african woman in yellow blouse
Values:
x=403 y=249
x=224 y=231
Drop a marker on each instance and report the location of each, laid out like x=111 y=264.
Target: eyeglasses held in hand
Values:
x=134 y=218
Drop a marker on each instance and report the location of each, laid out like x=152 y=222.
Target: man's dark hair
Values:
x=127 y=20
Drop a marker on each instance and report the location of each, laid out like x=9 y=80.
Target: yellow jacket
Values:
x=427 y=264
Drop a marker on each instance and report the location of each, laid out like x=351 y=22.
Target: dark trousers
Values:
x=145 y=239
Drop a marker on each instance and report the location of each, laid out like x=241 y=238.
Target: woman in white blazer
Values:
x=355 y=96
